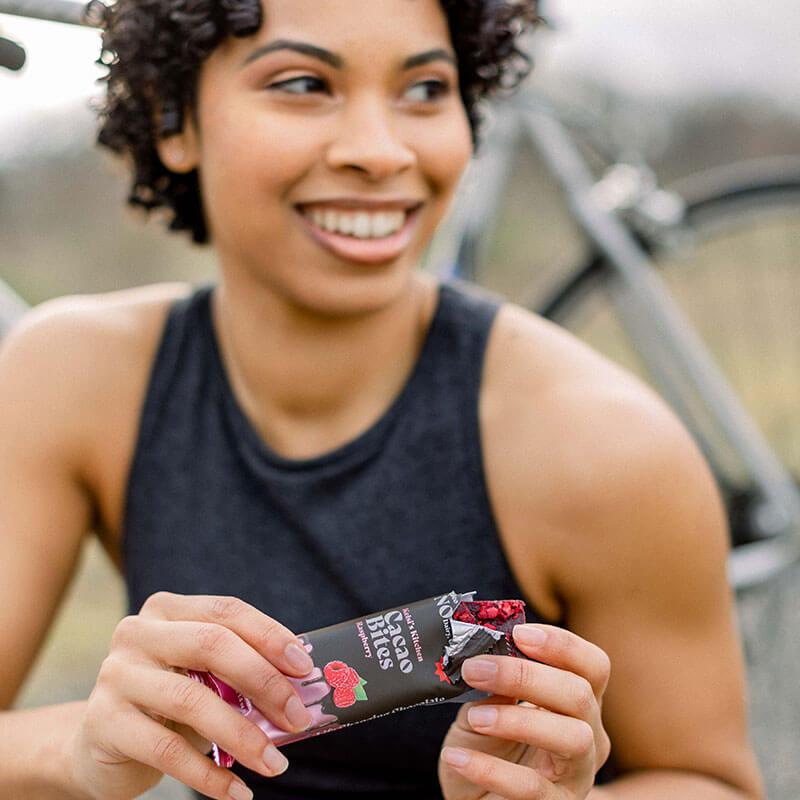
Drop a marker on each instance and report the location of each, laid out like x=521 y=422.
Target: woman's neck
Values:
x=309 y=383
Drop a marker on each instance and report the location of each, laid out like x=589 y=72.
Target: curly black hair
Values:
x=153 y=51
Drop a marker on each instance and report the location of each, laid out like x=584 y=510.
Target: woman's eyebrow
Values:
x=419 y=60
x=336 y=61
x=298 y=47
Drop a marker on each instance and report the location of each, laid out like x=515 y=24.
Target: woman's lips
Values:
x=366 y=251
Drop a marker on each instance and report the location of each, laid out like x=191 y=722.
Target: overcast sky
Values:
x=647 y=46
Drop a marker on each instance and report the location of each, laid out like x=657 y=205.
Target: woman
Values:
x=328 y=432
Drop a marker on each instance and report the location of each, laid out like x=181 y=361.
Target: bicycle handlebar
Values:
x=65 y=11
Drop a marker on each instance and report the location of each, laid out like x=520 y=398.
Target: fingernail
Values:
x=275 y=761
x=298 y=658
x=455 y=756
x=297 y=714
x=480 y=717
x=479 y=669
x=238 y=791
x=533 y=637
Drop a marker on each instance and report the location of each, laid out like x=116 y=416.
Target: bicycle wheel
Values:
x=739 y=286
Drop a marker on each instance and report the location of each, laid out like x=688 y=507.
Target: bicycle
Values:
x=634 y=228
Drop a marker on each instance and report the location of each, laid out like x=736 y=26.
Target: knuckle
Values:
x=249 y=738
x=112 y=671
x=188 y=699
x=224 y=609
x=583 y=739
x=209 y=778
x=212 y=639
x=269 y=632
x=168 y=752
x=272 y=683
x=518 y=677
x=583 y=698
x=484 y=770
x=126 y=632
x=156 y=600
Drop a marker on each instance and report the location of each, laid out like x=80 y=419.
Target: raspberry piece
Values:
x=504 y=615
x=463 y=614
x=343 y=697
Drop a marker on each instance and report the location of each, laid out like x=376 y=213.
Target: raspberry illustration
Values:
x=344 y=697
x=340 y=676
x=348 y=685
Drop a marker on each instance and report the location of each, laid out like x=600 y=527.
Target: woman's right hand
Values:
x=146 y=718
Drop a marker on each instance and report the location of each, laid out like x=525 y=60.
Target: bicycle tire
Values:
x=734 y=207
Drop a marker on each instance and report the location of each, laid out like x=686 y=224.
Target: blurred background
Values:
x=690 y=84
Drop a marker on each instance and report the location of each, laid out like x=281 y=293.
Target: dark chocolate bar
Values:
x=387 y=662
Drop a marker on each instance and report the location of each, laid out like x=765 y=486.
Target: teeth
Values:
x=346 y=224
x=359 y=224
x=362 y=226
x=330 y=221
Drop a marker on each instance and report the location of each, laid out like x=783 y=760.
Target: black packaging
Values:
x=385 y=662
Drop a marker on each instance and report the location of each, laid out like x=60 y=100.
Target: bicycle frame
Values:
x=66 y=11
x=677 y=359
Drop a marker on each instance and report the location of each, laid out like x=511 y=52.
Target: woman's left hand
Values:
x=550 y=745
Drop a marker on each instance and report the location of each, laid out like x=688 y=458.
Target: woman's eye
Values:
x=426 y=91
x=303 y=84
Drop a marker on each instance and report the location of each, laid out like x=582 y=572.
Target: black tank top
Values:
x=398 y=514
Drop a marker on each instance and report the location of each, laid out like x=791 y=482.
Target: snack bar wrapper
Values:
x=386 y=662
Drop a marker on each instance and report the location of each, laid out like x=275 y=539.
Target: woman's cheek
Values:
x=447 y=151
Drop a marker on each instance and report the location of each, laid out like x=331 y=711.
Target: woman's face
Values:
x=329 y=145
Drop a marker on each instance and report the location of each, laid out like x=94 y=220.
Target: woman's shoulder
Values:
x=74 y=361
x=545 y=382
x=578 y=447
x=77 y=331
x=120 y=311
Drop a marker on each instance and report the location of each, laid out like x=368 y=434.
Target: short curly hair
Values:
x=153 y=51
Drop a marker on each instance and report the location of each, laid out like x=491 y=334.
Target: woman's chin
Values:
x=356 y=295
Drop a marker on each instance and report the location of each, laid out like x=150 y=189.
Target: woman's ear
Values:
x=179 y=152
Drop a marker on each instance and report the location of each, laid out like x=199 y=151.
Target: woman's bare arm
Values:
x=44 y=514
x=611 y=520
x=60 y=373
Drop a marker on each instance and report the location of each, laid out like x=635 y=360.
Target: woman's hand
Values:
x=547 y=747
x=146 y=717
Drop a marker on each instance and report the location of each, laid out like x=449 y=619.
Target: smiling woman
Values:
x=288 y=133
x=327 y=431
x=482 y=38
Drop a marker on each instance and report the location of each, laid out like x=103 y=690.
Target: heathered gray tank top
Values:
x=398 y=514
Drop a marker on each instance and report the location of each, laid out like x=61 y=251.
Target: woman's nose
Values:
x=368 y=143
